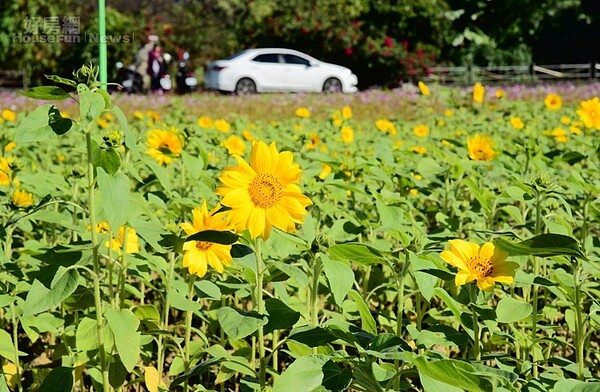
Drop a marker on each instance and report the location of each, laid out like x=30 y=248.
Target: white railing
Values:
x=513 y=73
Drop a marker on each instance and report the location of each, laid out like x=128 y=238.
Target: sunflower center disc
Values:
x=265 y=190
x=203 y=245
x=480 y=266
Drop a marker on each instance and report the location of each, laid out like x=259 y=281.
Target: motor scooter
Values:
x=129 y=80
x=186 y=81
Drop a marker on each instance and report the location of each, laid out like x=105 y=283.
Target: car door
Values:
x=301 y=74
x=268 y=71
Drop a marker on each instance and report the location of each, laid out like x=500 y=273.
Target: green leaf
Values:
x=335 y=378
x=425 y=281
x=312 y=336
x=108 y=160
x=304 y=375
x=172 y=241
x=208 y=290
x=91 y=104
x=86 y=338
x=215 y=236
x=130 y=138
x=60 y=379
x=58 y=123
x=40 y=298
x=510 y=310
x=114 y=189
x=238 y=324
x=47 y=93
x=368 y=322
x=7 y=348
x=58 y=79
x=357 y=253
x=35 y=127
x=196 y=370
x=180 y=302
x=124 y=324
x=147 y=312
x=454 y=373
x=543 y=245
x=281 y=316
x=340 y=277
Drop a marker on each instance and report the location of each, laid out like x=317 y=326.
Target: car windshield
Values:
x=238 y=54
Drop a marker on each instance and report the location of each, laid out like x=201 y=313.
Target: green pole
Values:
x=102 y=43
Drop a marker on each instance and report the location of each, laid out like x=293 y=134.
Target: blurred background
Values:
x=385 y=43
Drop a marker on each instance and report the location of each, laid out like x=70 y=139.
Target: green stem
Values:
x=536 y=272
x=188 y=329
x=96 y=263
x=16 y=345
x=124 y=266
x=400 y=312
x=314 y=293
x=260 y=305
x=579 y=326
x=476 y=349
x=166 y=311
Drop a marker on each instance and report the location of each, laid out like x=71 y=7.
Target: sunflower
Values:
x=222 y=125
x=325 y=171
x=419 y=149
x=163 y=146
x=478 y=92
x=205 y=122
x=486 y=264
x=234 y=145
x=264 y=193
x=421 y=130
x=5 y=171
x=200 y=254
x=517 y=123
x=346 y=112
x=500 y=94
x=303 y=113
x=347 y=134
x=386 y=126
x=9 y=115
x=126 y=236
x=424 y=89
x=480 y=148
x=21 y=199
x=589 y=113
x=553 y=101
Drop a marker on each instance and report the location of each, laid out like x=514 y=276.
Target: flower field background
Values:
x=430 y=240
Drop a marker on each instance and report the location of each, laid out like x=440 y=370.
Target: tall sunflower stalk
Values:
x=263 y=194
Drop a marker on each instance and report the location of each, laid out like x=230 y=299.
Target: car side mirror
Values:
x=313 y=64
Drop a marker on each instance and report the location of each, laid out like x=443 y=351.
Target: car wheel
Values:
x=245 y=86
x=332 y=85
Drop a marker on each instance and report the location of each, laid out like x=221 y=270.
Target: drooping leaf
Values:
x=46 y=93
x=368 y=322
x=340 y=277
x=124 y=324
x=108 y=160
x=215 y=236
x=238 y=324
x=196 y=370
x=281 y=316
x=114 y=189
x=356 y=253
x=40 y=298
x=510 y=310
x=312 y=336
x=58 y=79
x=543 y=245
x=60 y=379
x=305 y=374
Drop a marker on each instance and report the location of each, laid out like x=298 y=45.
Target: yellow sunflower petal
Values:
x=486 y=284
x=464 y=249
x=463 y=277
x=454 y=260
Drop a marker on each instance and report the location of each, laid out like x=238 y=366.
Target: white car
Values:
x=272 y=69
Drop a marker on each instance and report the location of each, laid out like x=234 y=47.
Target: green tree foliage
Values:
x=384 y=42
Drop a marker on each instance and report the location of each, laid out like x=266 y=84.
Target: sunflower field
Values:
x=435 y=239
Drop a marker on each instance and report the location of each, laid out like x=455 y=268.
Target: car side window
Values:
x=267 y=58
x=293 y=59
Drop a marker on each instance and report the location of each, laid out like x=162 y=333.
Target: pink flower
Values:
x=389 y=42
x=348 y=51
